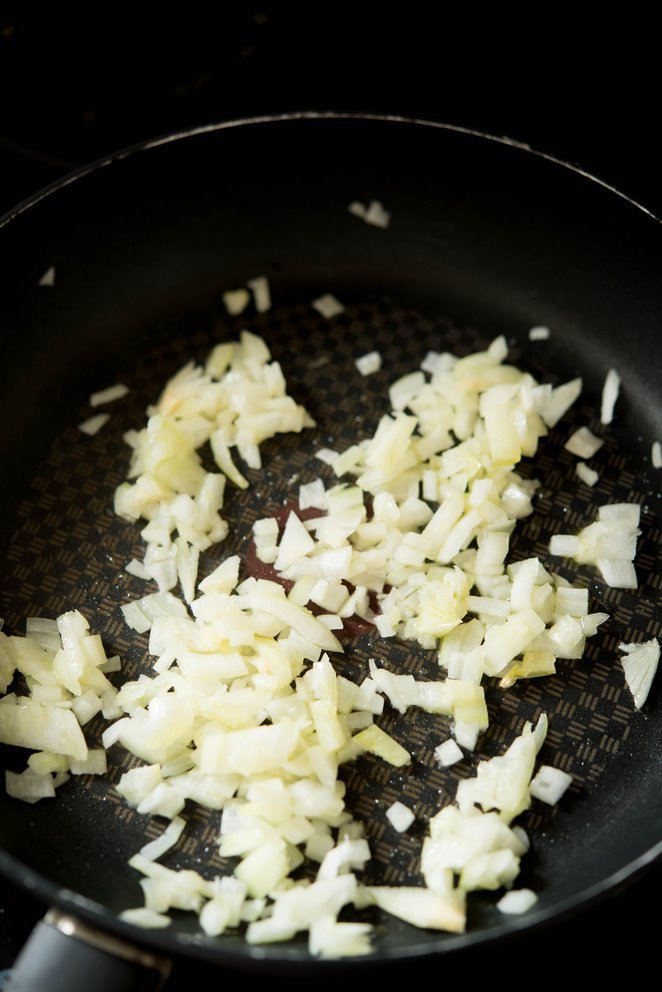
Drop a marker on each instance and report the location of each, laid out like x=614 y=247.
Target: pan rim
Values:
x=309 y=115
x=256 y=957
x=49 y=892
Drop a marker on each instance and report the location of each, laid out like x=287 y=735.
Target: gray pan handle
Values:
x=62 y=954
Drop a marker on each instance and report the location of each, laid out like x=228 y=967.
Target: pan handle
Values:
x=62 y=954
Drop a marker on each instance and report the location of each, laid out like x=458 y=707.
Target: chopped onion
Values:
x=560 y=401
x=640 y=666
x=376 y=215
x=145 y=918
x=93 y=425
x=448 y=753
x=357 y=209
x=109 y=395
x=236 y=301
x=609 y=543
x=369 y=363
x=158 y=847
x=618 y=573
x=328 y=306
x=400 y=816
x=373 y=214
x=420 y=907
x=244 y=711
x=549 y=784
x=586 y=474
x=583 y=443
x=29 y=786
x=539 y=334
x=63 y=664
x=610 y=393
x=261 y=293
x=517 y=901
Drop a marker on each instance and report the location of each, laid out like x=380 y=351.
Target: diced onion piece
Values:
x=326 y=455
x=640 y=665
x=330 y=938
x=93 y=425
x=549 y=784
x=404 y=389
x=421 y=907
x=236 y=301
x=94 y=764
x=656 y=454
x=503 y=642
x=261 y=293
x=610 y=392
x=373 y=214
x=158 y=847
x=560 y=401
x=618 y=573
x=564 y=545
x=448 y=753
x=224 y=460
x=48 y=278
x=137 y=568
x=583 y=443
x=377 y=741
x=376 y=215
x=517 y=901
x=539 y=333
x=41 y=728
x=224 y=577
x=45 y=632
x=109 y=395
x=148 y=919
x=586 y=474
x=294 y=544
x=348 y=854
x=369 y=363
x=29 y=786
x=328 y=306
x=313 y=495
x=502 y=783
x=400 y=816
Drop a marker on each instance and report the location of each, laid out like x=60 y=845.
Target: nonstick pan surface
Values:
x=486 y=238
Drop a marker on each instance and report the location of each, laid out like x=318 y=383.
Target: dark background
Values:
x=76 y=86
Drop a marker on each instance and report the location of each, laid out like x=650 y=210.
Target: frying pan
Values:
x=486 y=238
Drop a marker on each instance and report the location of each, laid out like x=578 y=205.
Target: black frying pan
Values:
x=486 y=238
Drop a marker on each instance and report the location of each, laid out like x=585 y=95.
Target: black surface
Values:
x=75 y=90
x=78 y=85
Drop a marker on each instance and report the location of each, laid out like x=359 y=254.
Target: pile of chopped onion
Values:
x=244 y=711
x=64 y=669
x=247 y=715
